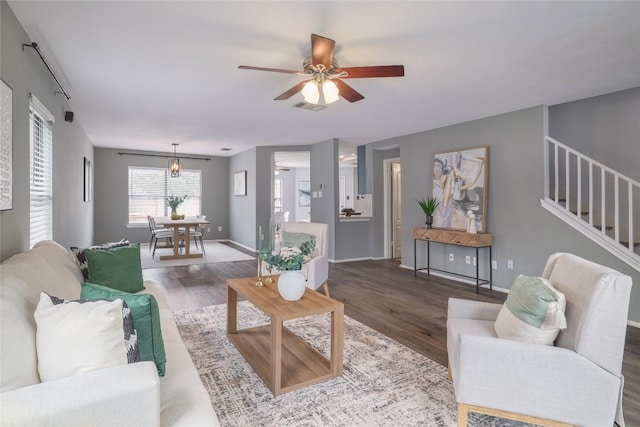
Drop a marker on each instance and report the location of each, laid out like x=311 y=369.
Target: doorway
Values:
x=393 y=208
x=291 y=185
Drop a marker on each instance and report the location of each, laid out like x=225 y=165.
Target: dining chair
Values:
x=157 y=233
x=198 y=234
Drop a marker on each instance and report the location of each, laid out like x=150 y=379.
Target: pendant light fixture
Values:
x=174 y=164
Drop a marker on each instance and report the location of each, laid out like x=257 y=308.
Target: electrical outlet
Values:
x=474 y=261
x=494 y=264
x=510 y=264
x=467 y=259
x=451 y=257
x=208 y=229
x=314 y=194
x=219 y=228
x=319 y=194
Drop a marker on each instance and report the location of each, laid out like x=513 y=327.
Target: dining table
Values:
x=178 y=224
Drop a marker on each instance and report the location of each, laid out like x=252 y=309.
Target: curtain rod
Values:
x=35 y=47
x=169 y=156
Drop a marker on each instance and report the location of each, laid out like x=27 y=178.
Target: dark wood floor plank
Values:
x=383 y=296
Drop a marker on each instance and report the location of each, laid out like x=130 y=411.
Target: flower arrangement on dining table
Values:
x=173 y=202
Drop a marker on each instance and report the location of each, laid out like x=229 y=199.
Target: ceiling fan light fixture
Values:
x=330 y=91
x=311 y=92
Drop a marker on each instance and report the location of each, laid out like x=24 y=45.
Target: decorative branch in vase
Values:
x=291 y=284
x=429 y=207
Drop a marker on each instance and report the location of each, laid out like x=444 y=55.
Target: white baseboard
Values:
x=456 y=278
x=254 y=250
x=634 y=324
x=337 y=261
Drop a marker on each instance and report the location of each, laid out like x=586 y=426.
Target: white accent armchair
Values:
x=316 y=270
x=576 y=382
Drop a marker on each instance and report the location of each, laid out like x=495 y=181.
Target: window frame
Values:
x=166 y=210
x=40 y=172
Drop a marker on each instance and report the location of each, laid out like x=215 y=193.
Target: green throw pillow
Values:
x=294 y=240
x=117 y=268
x=146 y=320
x=529 y=299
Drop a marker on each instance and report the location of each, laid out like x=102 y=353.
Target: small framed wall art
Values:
x=88 y=180
x=304 y=193
x=240 y=183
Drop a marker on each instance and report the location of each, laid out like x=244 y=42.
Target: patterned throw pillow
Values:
x=75 y=337
x=130 y=333
x=82 y=259
x=146 y=317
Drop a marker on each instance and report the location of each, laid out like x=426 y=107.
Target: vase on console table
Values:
x=429 y=221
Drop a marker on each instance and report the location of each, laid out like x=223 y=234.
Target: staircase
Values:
x=594 y=199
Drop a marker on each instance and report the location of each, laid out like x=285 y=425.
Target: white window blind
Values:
x=41 y=172
x=149 y=188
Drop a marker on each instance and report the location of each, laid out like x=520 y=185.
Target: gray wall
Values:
x=112 y=201
x=242 y=209
x=324 y=172
x=522 y=230
x=606 y=128
x=25 y=73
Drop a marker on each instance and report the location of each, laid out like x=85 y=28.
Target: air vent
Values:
x=225 y=149
x=310 y=107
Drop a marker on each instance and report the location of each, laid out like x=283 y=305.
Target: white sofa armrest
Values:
x=538 y=380
x=467 y=309
x=127 y=395
x=317 y=271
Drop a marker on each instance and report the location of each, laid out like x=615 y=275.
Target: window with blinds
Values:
x=150 y=187
x=41 y=172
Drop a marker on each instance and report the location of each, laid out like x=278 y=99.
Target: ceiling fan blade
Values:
x=275 y=70
x=322 y=50
x=347 y=92
x=373 y=71
x=288 y=94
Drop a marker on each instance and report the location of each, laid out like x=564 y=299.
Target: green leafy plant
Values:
x=429 y=206
x=289 y=262
x=174 y=201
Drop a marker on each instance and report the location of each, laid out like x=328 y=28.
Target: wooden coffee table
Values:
x=283 y=360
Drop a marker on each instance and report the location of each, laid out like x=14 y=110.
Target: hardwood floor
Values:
x=412 y=311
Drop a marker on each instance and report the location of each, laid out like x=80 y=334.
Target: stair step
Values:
x=563 y=202
x=607 y=228
x=626 y=244
x=583 y=213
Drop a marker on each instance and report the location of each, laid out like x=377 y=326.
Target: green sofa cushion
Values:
x=117 y=268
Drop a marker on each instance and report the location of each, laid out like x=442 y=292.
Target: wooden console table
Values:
x=458 y=238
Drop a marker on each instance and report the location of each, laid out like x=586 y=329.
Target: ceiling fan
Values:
x=326 y=75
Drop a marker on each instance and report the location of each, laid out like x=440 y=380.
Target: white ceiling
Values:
x=145 y=74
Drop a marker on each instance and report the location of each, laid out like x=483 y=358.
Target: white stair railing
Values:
x=611 y=199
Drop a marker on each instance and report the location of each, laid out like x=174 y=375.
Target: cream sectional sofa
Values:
x=128 y=395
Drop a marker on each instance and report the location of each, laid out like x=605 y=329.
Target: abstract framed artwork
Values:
x=460 y=183
x=304 y=193
x=240 y=183
x=6 y=147
x=88 y=181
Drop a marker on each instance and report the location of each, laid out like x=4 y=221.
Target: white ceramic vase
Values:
x=291 y=285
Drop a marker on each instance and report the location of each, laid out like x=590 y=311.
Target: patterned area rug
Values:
x=383 y=384
x=214 y=252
